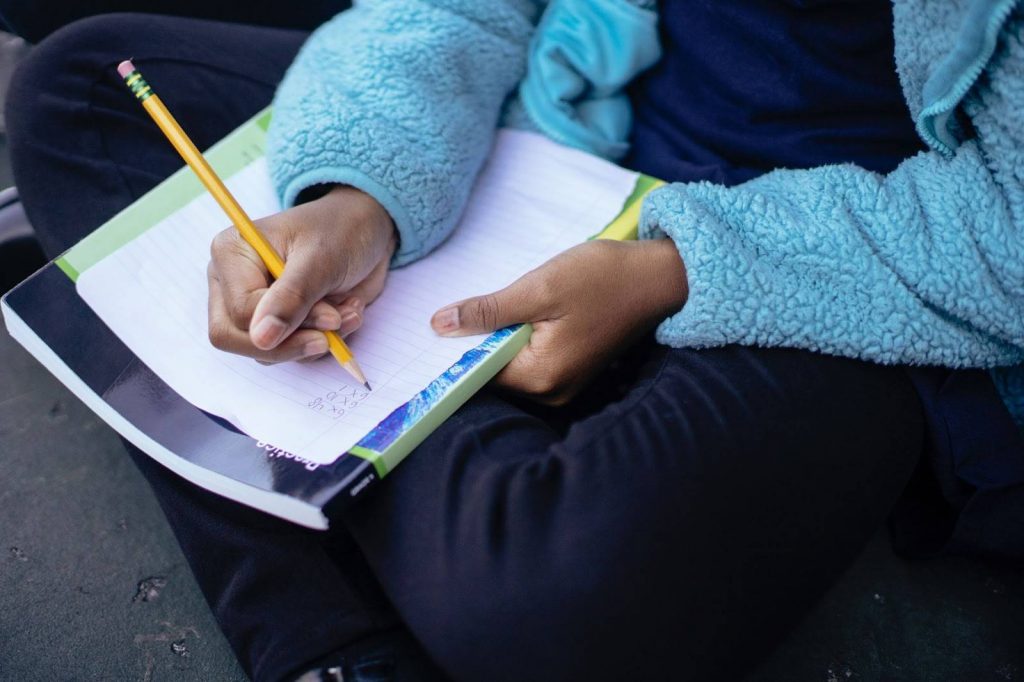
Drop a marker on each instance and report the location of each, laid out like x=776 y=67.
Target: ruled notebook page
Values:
x=533 y=199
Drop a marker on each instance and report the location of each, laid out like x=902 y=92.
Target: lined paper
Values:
x=532 y=200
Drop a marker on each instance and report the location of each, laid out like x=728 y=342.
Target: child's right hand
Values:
x=337 y=250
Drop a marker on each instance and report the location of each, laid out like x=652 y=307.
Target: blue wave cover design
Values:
x=395 y=424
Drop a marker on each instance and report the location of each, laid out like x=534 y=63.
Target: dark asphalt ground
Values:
x=92 y=583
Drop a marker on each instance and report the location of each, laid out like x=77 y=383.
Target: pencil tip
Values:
x=367 y=384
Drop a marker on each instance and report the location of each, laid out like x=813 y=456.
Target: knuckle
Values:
x=551 y=383
x=485 y=310
x=240 y=317
x=607 y=248
x=563 y=395
x=270 y=358
x=221 y=244
x=217 y=335
x=604 y=249
x=556 y=400
x=312 y=358
x=544 y=385
x=289 y=293
x=241 y=307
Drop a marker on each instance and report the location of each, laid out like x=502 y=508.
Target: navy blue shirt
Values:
x=743 y=88
x=747 y=87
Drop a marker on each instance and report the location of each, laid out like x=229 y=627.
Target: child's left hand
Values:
x=586 y=304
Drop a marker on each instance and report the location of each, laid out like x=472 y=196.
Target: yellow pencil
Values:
x=275 y=264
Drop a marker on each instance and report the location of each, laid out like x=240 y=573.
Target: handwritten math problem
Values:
x=336 y=403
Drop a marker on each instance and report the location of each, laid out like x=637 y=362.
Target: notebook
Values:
x=120 y=318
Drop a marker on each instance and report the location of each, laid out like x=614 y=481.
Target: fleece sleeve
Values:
x=401 y=100
x=923 y=266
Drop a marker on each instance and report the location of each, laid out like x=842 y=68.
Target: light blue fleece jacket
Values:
x=923 y=266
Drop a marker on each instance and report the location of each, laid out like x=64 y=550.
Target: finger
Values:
x=323 y=316
x=533 y=371
x=352 y=308
x=550 y=369
x=522 y=301
x=240 y=306
x=520 y=374
x=367 y=291
x=526 y=376
x=305 y=361
x=351 y=304
x=243 y=277
x=225 y=336
x=351 y=318
x=288 y=300
x=347 y=315
x=301 y=345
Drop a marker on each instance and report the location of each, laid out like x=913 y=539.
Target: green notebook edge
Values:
x=228 y=156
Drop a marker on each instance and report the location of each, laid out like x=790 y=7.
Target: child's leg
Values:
x=82 y=148
x=674 y=535
x=36 y=19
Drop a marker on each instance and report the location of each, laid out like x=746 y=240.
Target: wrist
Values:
x=662 y=276
x=366 y=210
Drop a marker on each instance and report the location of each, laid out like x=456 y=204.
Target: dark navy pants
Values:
x=670 y=524
x=36 y=19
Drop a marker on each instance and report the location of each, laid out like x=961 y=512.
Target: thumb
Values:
x=518 y=302
x=288 y=301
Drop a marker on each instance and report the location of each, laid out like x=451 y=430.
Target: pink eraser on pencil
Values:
x=125 y=68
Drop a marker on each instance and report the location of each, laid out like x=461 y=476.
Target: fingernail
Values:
x=315 y=347
x=447 y=320
x=325 y=322
x=352 y=302
x=349 y=323
x=268 y=331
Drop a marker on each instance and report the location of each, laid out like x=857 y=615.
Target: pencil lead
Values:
x=367 y=384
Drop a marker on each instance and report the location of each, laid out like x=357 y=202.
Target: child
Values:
x=680 y=524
